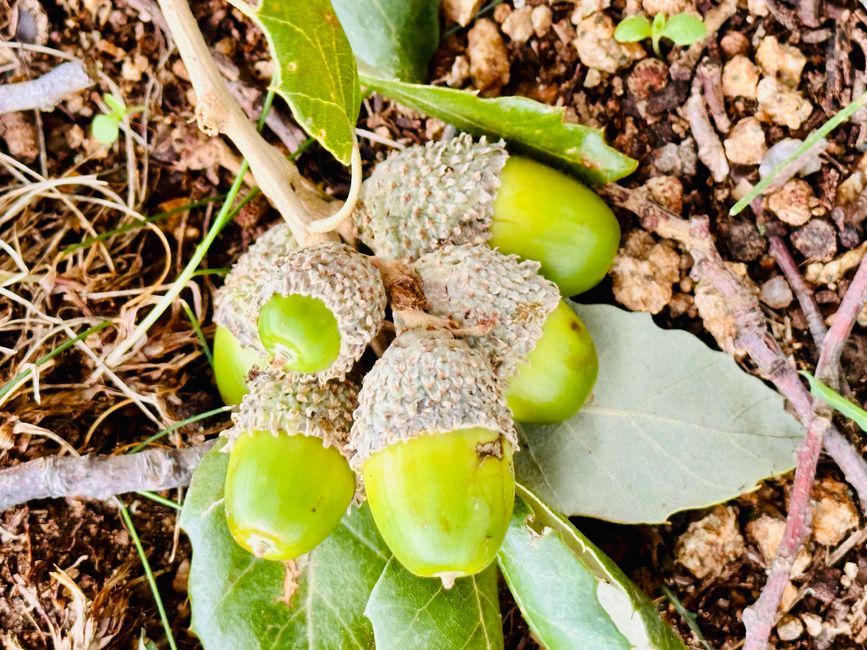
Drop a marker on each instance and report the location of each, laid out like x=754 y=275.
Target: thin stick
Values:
x=828 y=368
x=46 y=91
x=98 y=477
x=806 y=298
x=710 y=149
x=217 y=112
x=759 y=619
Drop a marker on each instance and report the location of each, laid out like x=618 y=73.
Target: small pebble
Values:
x=813 y=623
x=541 y=18
x=745 y=144
x=793 y=203
x=740 y=78
x=789 y=628
x=781 y=61
x=710 y=543
x=518 y=26
x=816 y=241
x=776 y=293
x=734 y=43
x=489 y=58
x=834 y=513
x=780 y=104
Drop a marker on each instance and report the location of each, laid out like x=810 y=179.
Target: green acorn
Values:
x=539 y=348
x=319 y=309
x=236 y=343
x=289 y=483
x=461 y=192
x=433 y=441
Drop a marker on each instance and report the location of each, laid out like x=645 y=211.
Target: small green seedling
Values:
x=680 y=29
x=106 y=126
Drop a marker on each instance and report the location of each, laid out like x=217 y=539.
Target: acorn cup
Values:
x=433 y=440
x=463 y=192
x=236 y=342
x=319 y=309
x=289 y=482
x=539 y=348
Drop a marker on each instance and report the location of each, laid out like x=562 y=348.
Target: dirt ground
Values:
x=776 y=70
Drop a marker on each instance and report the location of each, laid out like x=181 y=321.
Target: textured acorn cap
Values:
x=349 y=285
x=289 y=403
x=426 y=383
x=429 y=195
x=477 y=286
x=233 y=303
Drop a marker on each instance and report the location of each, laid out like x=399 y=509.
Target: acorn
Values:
x=433 y=441
x=465 y=192
x=236 y=342
x=289 y=482
x=538 y=347
x=319 y=309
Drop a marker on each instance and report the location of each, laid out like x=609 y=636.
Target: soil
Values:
x=641 y=106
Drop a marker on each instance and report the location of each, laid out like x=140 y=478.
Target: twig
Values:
x=46 y=91
x=710 y=149
x=828 y=368
x=753 y=334
x=711 y=83
x=804 y=293
x=248 y=97
x=98 y=477
x=760 y=617
x=217 y=112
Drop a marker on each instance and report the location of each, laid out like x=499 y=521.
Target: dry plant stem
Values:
x=753 y=334
x=217 y=112
x=828 y=368
x=710 y=75
x=806 y=298
x=46 y=91
x=760 y=618
x=710 y=149
x=98 y=477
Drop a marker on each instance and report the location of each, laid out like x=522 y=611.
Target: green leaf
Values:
x=115 y=105
x=315 y=69
x=632 y=29
x=672 y=425
x=241 y=602
x=410 y=612
x=570 y=593
x=684 y=29
x=529 y=126
x=105 y=129
x=836 y=401
x=396 y=37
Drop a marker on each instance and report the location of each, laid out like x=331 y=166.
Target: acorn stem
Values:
x=448 y=579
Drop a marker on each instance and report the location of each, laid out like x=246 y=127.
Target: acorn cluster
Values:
x=484 y=244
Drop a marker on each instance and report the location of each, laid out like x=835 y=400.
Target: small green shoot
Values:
x=836 y=401
x=681 y=29
x=105 y=127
